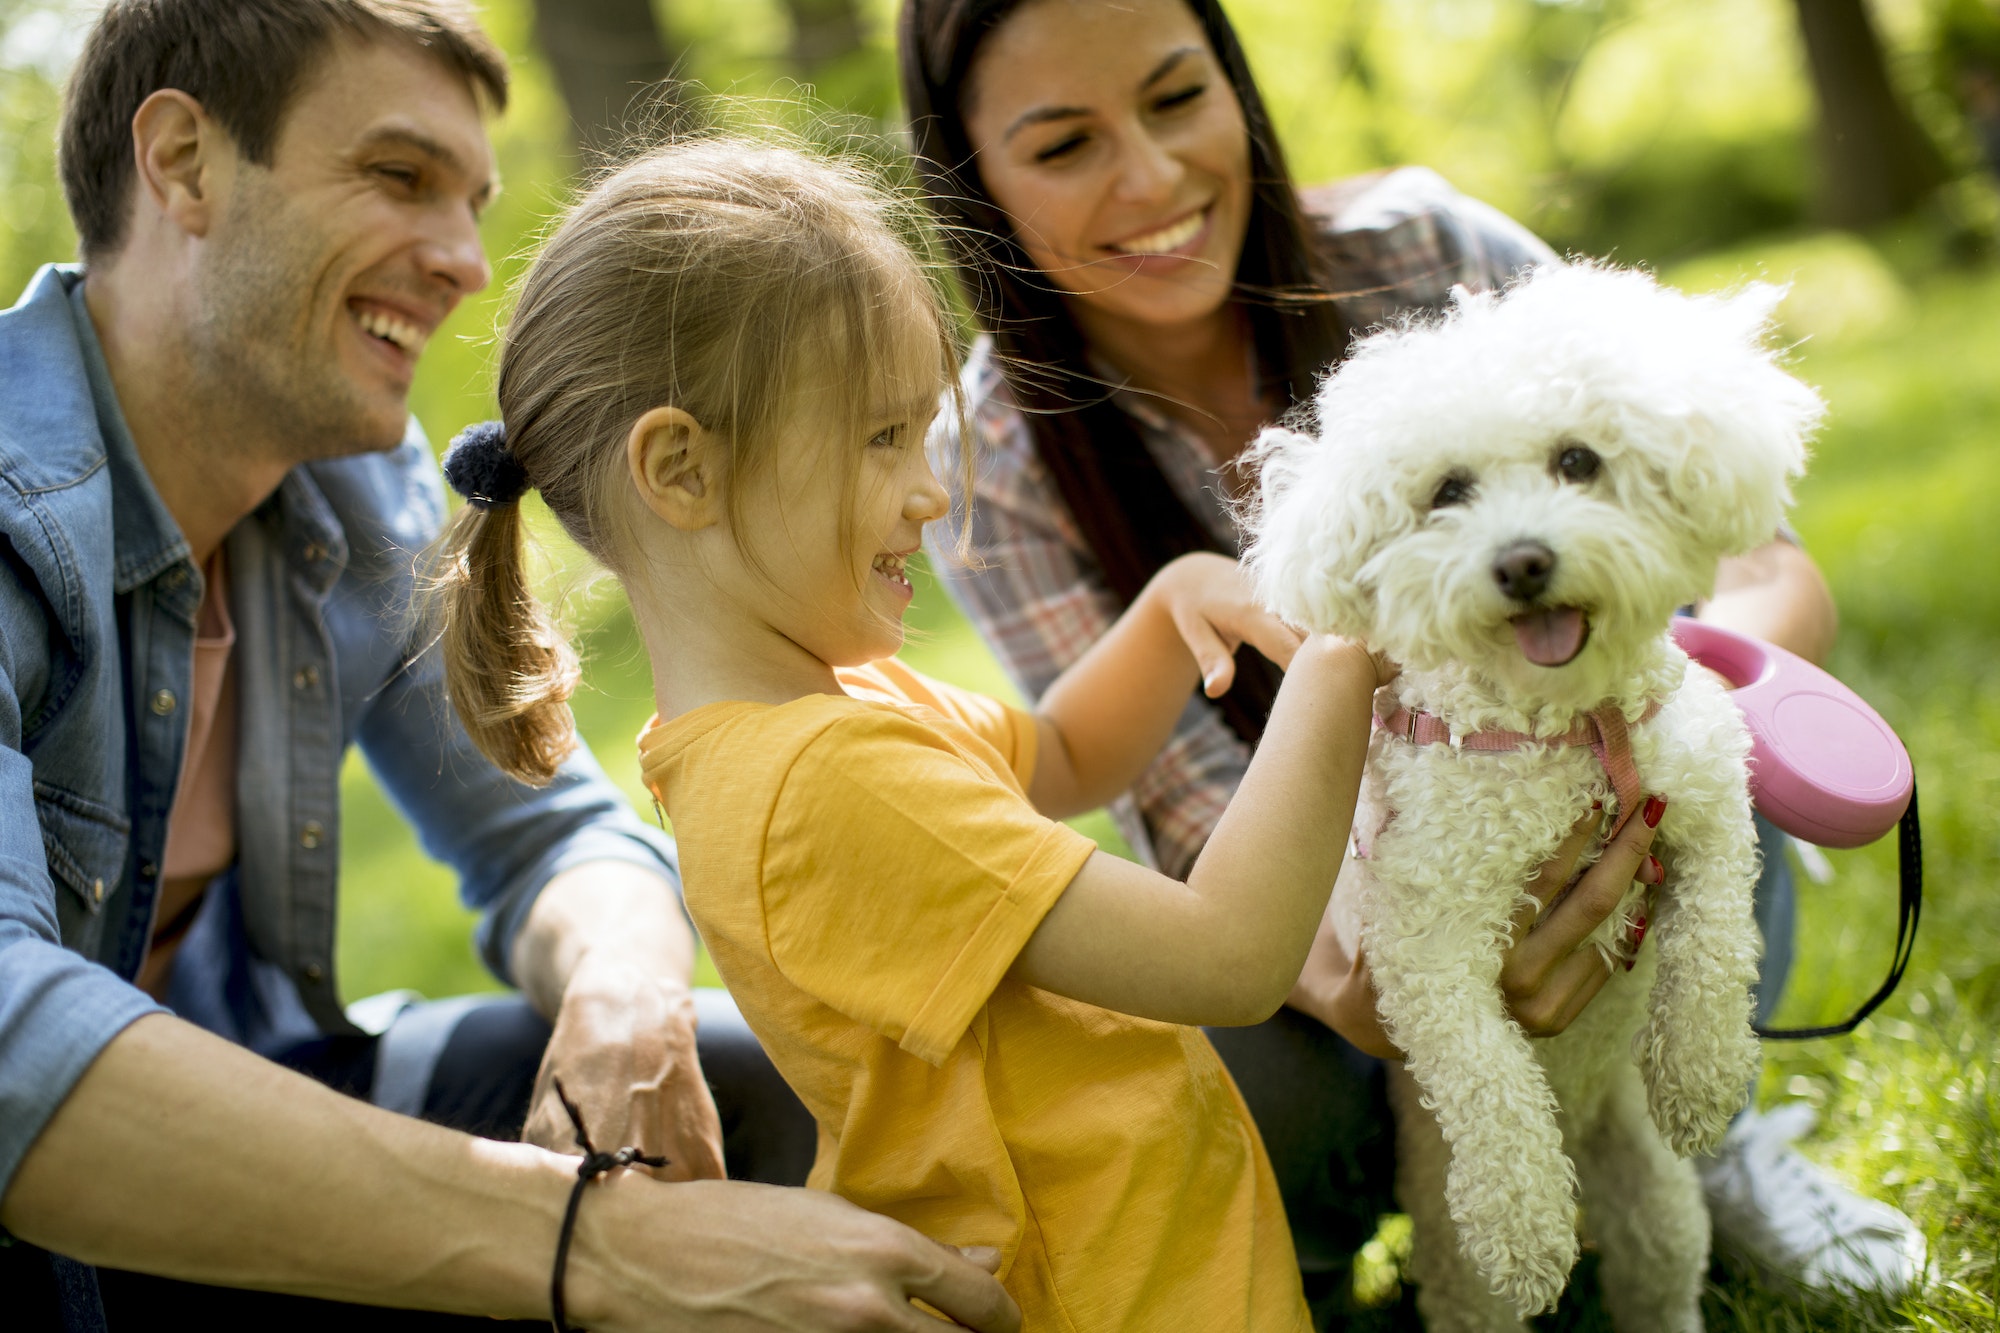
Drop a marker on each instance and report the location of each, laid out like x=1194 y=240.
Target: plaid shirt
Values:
x=1397 y=242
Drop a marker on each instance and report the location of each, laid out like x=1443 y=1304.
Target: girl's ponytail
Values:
x=507 y=667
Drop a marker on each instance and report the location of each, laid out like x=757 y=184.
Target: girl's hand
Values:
x=1210 y=601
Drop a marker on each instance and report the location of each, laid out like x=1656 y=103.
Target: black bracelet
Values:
x=594 y=1164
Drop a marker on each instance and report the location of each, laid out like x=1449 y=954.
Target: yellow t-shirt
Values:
x=864 y=870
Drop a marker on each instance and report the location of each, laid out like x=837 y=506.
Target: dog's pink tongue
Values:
x=1550 y=638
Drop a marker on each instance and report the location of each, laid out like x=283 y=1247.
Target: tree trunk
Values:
x=1875 y=163
x=822 y=31
x=614 y=70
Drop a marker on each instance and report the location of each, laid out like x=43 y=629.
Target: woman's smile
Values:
x=1170 y=239
x=1163 y=251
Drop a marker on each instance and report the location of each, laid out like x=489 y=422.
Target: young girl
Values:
x=719 y=375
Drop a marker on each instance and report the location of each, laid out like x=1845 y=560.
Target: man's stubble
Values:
x=262 y=354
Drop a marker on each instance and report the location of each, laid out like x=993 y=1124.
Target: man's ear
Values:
x=675 y=466
x=180 y=155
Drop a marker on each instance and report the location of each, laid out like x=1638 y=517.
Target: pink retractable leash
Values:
x=1825 y=768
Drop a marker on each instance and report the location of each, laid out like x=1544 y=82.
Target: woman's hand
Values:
x=1547 y=976
x=1210 y=600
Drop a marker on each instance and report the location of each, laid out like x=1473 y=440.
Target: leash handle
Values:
x=1910 y=905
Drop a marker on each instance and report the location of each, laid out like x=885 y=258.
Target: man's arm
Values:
x=607 y=956
x=302 y=1190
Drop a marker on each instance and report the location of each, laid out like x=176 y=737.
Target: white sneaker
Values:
x=1775 y=1209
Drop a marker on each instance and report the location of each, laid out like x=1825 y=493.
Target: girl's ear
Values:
x=675 y=466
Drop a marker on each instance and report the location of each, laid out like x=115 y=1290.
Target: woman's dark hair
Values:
x=1127 y=510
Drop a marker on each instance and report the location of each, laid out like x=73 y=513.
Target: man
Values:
x=211 y=499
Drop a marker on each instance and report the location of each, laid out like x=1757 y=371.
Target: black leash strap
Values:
x=1910 y=872
x=594 y=1164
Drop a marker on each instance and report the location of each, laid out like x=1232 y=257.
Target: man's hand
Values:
x=624 y=1047
x=743 y=1258
x=1547 y=975
x=606 y=955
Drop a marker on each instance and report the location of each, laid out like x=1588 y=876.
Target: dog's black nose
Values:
x=1523 y=570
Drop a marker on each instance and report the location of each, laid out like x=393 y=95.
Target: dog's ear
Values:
x=1748 y=429
x=1309 y=532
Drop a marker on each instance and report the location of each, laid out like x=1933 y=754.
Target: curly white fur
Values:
x=1698 y=432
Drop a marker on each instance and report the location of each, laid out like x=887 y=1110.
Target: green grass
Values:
x=1897 y=511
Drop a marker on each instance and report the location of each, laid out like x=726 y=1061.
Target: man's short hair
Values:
x=243 y=60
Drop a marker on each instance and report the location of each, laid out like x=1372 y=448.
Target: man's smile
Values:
x=401 y=328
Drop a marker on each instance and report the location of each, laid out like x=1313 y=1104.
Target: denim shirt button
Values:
x=174 y=578
x=311 y=833
x=149 y=870
x=164 y=702
x=97 y=891
x=314 y=972
x=305 y=677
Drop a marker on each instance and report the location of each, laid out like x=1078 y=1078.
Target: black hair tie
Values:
x=594 y=1164
x=481 y=467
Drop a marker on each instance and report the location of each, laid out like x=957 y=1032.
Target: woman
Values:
x=1152 y=289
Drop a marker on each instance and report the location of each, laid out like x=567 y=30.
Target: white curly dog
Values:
x=1512 y=503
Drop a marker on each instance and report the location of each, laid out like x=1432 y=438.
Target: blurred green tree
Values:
x=38 y=39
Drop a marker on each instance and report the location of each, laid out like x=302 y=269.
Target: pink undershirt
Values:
x=201 y=828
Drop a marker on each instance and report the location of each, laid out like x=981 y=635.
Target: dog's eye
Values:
x=1451 y=491
x=1577 y=463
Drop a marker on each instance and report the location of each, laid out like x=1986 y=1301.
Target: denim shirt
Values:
x=98 y=598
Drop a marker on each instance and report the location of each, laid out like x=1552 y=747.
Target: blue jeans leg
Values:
x=1776 y=907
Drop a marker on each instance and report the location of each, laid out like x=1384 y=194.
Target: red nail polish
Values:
x=1656 y=807
x=1597 y=805
x=1638 y=938
x=1659 y=877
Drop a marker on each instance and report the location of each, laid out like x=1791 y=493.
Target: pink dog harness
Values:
x=1604 y=730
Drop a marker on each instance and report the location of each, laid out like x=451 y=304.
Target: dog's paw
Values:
x=1533 y=1283
x=1693 y=1089
x=1519 y=1230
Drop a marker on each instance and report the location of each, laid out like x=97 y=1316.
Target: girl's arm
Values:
x=1104 y=719
x=1227 y=946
